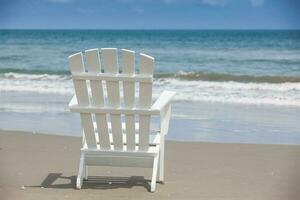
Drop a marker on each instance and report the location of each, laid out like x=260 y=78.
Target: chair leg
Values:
x=154 y=173
x=161 y=164
x=80 y=172
x=86 y=171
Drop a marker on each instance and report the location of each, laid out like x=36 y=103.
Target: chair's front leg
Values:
x=164 y=126
x=80 y=172
x=154 y=173
x=161 y=161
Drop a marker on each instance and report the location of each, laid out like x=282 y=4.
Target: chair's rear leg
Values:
x=80 y=172
x=154 y=173
x=86 y=171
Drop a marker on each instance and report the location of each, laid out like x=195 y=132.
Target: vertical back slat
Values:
x=110 y=62
x=145 y=100
x=94 y=66
x=76 y=66
x=129 y=97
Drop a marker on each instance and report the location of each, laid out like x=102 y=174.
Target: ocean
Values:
x=232 y=85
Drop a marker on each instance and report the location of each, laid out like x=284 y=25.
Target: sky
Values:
x=149 y=14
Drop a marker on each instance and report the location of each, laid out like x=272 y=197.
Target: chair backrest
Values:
x=96 y=89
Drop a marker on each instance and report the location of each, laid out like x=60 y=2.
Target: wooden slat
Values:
x=101 y=121
x=128 y=61
x=128 y=69
x=120 y=161
x=152 y=151
x=144 y=131
x=145 y=90
x=94 y=66
x=154 y=138
x=113 y=77
x=145 y=100
x=110 y=110
x=130 y=132
x=110 y=62
x=129 y=96
x=116 y=130
x=76 y=65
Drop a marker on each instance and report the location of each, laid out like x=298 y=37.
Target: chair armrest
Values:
x=163 y=106
x=163 y=100
x=73 y=101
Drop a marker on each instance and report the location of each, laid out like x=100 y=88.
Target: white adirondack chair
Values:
x=117 y=133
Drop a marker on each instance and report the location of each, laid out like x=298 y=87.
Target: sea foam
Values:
x=287 y=93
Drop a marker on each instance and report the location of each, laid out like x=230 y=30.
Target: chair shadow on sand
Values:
x=94 y=182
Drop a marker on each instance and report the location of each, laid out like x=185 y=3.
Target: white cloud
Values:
x=214 y=2
x=257 y=3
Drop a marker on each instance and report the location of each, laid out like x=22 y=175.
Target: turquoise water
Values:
x=221 y=68
x=253 y=67
x=253 y=53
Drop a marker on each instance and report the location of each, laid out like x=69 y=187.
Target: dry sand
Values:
x=36 y=166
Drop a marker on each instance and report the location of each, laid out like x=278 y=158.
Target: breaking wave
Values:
x=190 y=86
x=205 y=76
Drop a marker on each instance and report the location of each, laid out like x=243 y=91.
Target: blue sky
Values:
x=150 y=14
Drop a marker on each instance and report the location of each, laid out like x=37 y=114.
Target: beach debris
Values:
x=23 y=187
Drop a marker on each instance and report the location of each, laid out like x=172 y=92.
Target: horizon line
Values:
x=158 y=29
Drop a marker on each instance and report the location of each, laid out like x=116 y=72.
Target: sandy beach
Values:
x=36 y=166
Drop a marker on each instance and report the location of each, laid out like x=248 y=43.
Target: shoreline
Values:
x=33 y=133
x=191 y=121
x=38 y=166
